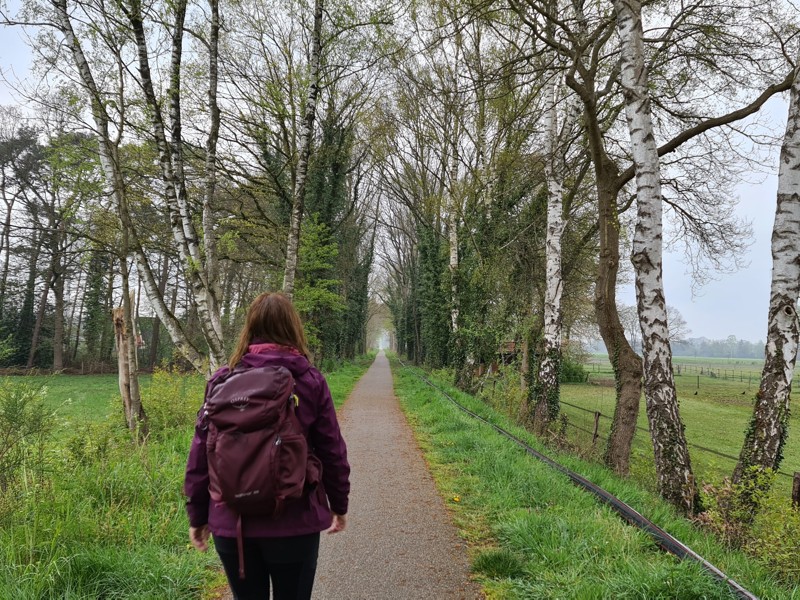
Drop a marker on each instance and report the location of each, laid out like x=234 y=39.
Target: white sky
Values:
x=734 y=304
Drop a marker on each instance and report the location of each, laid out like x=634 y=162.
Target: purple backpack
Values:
x=258 y=456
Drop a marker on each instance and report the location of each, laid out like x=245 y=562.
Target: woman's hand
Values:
x=199 y=537
x=338 y=524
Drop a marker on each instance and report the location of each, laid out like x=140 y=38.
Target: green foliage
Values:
x=573 y=359
x=7 y=348
x=747 y=515
x=315 y=295
x=730 y=507
x=172 y=400
x=93 y=442
x=774 y=537
x=505 y=393
x=434 y=300
x=109 y=525
x=25 y=424
x=98 y=329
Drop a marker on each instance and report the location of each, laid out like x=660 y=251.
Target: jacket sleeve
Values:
x=195 y=484
x=329 y=446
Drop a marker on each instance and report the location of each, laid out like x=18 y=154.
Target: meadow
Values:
x=715 y=409
x=533 y=535
x=91 y=515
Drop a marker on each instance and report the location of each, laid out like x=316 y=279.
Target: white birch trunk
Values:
x=766 y=435
x=547 y=384
x=183 y=229
x=675 y=479
x=453 y=212
x=304 y=153
x=209 y=215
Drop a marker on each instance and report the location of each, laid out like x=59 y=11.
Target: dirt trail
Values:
x=399 y=543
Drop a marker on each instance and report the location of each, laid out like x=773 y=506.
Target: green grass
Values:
x=535 y=535
x=106 y=519
x=715 y=417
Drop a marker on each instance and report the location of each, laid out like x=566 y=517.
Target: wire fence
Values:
x=595 y=433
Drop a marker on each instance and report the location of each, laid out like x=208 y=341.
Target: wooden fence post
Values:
x=796 y=489
x=595 y=434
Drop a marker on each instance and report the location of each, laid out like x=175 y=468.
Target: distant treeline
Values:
x=727 y=348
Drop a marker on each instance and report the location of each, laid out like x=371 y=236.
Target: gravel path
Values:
x=399 y=543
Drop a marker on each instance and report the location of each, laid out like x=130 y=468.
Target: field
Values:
x=94 y=398
x=715 y=410
x=89 y=514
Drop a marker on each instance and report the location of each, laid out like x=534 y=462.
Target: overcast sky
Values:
x=733 y=304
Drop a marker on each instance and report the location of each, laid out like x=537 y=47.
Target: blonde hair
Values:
x=271 y=318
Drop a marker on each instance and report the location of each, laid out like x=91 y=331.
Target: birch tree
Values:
x=547 y=381
x=768 y=429
x=675 y=478
x=195 y=258
x=304 y=153
x=109 y=160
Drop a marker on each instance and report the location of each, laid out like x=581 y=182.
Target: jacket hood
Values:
x=259 y=355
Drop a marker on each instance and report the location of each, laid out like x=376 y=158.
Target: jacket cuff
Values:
x=340 y=508
x=197 y=515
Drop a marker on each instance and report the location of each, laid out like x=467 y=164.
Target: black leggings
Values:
x=290 y=563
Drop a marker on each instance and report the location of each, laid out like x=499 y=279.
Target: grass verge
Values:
x=535 y=535
x=104 y=518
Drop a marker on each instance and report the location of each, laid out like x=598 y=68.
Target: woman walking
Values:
x=278 y=551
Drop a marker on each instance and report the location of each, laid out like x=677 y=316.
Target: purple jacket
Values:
x=317 y=417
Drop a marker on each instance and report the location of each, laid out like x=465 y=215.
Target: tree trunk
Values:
x=210 y=184
x=768 y=429
x=135 y=417
x=59 y=316
x=155 y=338
x=37 y=327
x=675 y=478
x=546 y=391
x=73 y=354
x=5 y=243
x=58 y=319
x=626 y=364
x=304 y=153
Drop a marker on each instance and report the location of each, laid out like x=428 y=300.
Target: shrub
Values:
x=25 y=424
x=571 y=372
x=774 y=538
x=504 y=392
x=573 y=357
x=763 y=523
x=730 y=507
x=171 y=401
x=91 y=443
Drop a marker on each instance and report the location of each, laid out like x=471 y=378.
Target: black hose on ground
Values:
x=663 y=539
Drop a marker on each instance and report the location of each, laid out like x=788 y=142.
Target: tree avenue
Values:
x=479 y=171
